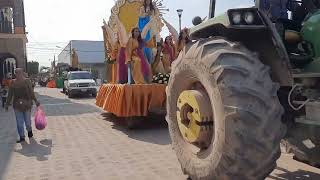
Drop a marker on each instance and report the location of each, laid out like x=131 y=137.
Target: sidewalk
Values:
x=79 y=144
x=7 y=138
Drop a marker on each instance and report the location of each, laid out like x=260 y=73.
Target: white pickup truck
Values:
x=79 y=82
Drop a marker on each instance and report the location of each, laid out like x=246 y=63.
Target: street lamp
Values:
x=179 y=11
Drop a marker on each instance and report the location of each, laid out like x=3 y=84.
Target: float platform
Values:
x=135 y=100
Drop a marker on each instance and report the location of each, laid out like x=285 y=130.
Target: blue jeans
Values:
x=23 y=118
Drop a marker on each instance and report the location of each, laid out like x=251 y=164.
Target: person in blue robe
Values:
x=146 y=12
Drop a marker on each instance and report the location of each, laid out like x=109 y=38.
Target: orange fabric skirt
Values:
x=131 y=100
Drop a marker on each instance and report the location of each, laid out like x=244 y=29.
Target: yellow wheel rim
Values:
x=194 y=116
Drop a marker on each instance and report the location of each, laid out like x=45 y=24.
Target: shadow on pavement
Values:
x=80 y=96
x=83 y=97
x=64 y=107
x=5 y=156
x=40 y=150
x=300 y=174
x=152 y=129
x=7 y=139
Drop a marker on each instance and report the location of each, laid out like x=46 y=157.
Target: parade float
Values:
x=135 y=88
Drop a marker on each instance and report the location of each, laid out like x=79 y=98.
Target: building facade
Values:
x=91 y=57
x=13 y=37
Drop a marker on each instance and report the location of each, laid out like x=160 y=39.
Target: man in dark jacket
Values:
x=275 y=9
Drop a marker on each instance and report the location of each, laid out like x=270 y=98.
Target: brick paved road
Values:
x=80 y=144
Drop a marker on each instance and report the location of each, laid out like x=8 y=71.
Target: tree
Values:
x=33 y=68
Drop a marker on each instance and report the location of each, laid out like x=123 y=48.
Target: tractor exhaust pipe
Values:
x=212 y=8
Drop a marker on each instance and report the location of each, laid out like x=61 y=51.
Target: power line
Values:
x=43 y=42
x=51 y=49
x=44 y=45
x=34 y=42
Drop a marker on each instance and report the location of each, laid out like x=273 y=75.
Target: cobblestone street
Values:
x=80 y=143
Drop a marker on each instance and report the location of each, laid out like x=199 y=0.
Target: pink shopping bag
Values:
x=40 y=119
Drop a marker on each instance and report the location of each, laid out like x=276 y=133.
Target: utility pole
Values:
x=71 y=52
x=54 y=64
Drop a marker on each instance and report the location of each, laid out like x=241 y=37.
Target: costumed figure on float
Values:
x=136 y=60
x=168 y=52
x=125 y=16
x=147 y=11
x=135 y=53
x=183 y=39
x=112 y=46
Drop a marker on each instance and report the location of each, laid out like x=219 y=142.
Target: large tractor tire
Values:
x=245 y=121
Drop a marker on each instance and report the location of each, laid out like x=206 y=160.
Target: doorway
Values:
x=8 y=66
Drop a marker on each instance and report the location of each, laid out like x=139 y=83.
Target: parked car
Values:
x=79 y=82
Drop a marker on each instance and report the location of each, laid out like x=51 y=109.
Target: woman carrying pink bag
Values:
x=21 y=95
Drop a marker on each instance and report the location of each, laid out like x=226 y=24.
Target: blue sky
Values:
x=52 y=23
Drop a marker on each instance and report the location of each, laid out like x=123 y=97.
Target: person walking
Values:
x=22 y=95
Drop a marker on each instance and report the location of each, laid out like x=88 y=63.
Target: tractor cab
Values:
x=296 y=30
x=290 y=26
x=296 y=21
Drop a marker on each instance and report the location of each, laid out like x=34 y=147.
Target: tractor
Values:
x=244 y=85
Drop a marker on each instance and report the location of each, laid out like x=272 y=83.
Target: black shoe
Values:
x=30 y=134
x=21 y=140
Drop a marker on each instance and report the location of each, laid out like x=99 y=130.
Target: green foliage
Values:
x=33 y=68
